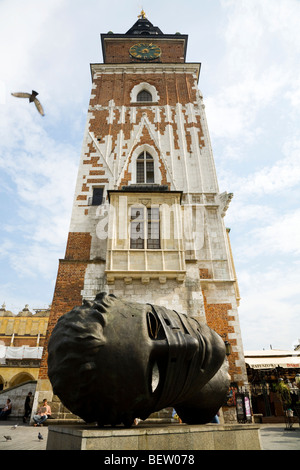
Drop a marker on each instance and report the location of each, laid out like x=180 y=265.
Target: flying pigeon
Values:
x=8 y=438
x=40 y=436
x=32 y=98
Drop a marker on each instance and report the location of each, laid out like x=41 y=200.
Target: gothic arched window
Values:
x=144 y=95
x=144 y=168
x=143 y=92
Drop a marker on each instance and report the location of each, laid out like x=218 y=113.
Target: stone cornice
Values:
x=143 y=68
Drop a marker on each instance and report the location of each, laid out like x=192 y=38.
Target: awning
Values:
x=273 y=362
x=22 y=352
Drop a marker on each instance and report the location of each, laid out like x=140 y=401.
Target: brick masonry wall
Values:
x=78 y=246
x=69 y=284
x=218 y=318
x=67 y=294
x=172 y=88
x=117 y=51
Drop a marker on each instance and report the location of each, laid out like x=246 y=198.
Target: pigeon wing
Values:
x=21 y=95
x=39 y=107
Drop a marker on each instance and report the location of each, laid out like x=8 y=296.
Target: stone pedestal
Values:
x=155 y=437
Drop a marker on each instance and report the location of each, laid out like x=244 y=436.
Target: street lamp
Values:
x=227 y=348
x=227 y=345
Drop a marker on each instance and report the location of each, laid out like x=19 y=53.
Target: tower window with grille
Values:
x=144 y=228
x=144 y=95
x=97 y=198
x=145 y=168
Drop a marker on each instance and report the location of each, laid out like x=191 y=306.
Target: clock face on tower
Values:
x=143 y=51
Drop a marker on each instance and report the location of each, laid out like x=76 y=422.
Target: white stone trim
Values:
x=193 y=68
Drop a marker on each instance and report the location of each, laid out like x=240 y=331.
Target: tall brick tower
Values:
x=147 y=220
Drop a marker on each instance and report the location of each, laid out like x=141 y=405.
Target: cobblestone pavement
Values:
x=25 y=437
x=277 y=437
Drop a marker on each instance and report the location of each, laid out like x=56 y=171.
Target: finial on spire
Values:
x=142 y=15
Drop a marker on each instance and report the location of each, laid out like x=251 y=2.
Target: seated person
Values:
x=43 y=413
x=6 y=410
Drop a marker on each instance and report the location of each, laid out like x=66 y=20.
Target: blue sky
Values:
x=250 y=80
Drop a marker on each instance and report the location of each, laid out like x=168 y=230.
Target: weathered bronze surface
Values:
x=111 y=361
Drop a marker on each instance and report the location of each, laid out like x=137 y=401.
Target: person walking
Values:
x=27 y=407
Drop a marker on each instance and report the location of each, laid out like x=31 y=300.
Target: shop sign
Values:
x=264 y=366
x=273 y=366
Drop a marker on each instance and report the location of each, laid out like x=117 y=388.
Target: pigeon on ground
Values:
x=40 y=436
x=15 y=426
x=8 y=438
x=32 y=98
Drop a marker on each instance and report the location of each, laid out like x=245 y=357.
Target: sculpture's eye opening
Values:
x=155 y=329
x=152 y=324
x=155 y=377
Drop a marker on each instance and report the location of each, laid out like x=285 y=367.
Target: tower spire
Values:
x=142 y=15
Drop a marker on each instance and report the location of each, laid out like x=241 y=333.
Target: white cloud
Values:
x=253 y=118
x=263 y=236
x=38 y=174
x=283 y=175
x=5 y=248
x=280 y=236
x=241 y=212
x=260 y=65
x=269 y=310
x=34 y=260
x=22 y=29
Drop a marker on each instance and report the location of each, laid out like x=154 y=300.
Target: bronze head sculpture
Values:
x=111 y=361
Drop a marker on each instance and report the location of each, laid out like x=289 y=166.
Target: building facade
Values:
x=148 y=218
x=22 y=337
x=274 y=378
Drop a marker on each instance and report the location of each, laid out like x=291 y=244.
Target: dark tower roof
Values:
x=143 y=27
